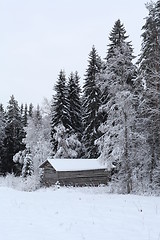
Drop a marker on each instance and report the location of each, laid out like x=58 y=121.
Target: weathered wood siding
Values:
x=82 y=178
x=49 y=176
x=75 y=178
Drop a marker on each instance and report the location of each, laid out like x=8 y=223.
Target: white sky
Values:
x=41 y=37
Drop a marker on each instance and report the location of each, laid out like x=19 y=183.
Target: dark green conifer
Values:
x=14 y=134
x=30 y=111
x=91 y=104
x=75 y=103
x=60 y=114
x=25 y=116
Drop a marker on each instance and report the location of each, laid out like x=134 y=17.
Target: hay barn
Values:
x=74 y=172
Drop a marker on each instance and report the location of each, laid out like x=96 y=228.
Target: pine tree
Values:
x=150 y=74
x=14 y=134
x=91 y=104
x=60 y=114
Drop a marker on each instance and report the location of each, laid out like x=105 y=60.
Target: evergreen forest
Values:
x=114 y=116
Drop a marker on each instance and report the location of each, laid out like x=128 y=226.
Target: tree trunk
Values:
x=127 y=167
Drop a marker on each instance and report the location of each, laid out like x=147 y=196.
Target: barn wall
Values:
x=49 y=176
x=83 y=178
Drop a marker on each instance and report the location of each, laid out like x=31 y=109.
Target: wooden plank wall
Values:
x=87 y=177
x=49 y=176
x=75 y=178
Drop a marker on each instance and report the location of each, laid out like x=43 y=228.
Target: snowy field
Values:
x=77 y=214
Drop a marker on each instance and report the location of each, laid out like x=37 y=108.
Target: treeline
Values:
x=14 y=123
x=115 y=117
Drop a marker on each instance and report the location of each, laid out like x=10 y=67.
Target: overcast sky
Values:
x=41 y=37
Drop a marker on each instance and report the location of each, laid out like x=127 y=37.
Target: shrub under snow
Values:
x=30 y=183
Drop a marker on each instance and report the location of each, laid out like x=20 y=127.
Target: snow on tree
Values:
x=77 y=83
x=38 y=138
x=22 y=109
x=2 y=124
x=60 y=112
x=19 y=157
x=91 y=103
x=25 y=115
x=30 y=111
x=116 y=142
x=117 y=36
x=75 y=103
x=68 y=144
x=27 y=169
x=14 y=132
x=2 y=135
x=66 y=118
x=37 y=143
x=149 y=71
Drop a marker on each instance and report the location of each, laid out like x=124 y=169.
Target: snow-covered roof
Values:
x=75 y=164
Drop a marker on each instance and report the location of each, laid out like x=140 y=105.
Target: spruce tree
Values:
x=37 y=116
x=116 y=141
x=22 y=109
x=75 y=103
x=2 y=135
x=25 y=116
x=14 y=134
x=117 y=36
x=30 y=110
x=91 y=104
x=60 y=113
x=77 y=79
x=149 y=70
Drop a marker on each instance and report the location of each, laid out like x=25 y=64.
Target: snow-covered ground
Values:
x=77 y=214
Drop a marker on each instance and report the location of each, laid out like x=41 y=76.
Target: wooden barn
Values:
x=74 y=172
